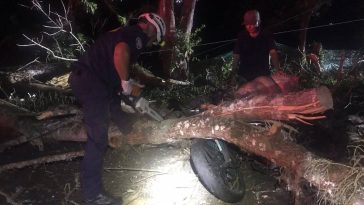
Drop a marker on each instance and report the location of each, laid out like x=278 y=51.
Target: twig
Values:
x=15 y=107
x=62 y=25
x=145 y=178
x=47 y=159
x=177 y=82
x=33 y=61
x=68 y=191
x=46 y=48
x=58 y=111
x=351 y=95
x=45 y=87
x=132 y=169
x=3 y=91
x=19 y=140
x=9 y=199
x=284 y=125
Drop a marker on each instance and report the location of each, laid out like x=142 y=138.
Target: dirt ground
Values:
x=142 y=175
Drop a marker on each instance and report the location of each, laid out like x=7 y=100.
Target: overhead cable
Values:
x=276 y=33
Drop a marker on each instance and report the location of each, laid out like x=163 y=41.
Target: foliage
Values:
x=331 y=78
x=90 y=6
x=227 y=68
x=204 y=83
x=184 y=46
x=63 y=45
x=180 y=94
x=343 y=191
x=122 y=20
x=57 y=38
x=40 y=101
x=207 y=83
x=298 y=65
x=219 y=70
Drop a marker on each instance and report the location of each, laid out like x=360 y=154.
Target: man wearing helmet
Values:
x=252 y=50
x=96 y=80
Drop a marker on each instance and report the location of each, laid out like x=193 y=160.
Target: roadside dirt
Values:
x=142 y=175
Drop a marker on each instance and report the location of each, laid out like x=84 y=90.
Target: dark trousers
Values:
x=99 y=105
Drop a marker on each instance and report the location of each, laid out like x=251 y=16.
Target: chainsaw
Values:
x=131 y=104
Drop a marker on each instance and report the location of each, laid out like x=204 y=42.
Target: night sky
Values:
x=229 y=13
x=221 y=18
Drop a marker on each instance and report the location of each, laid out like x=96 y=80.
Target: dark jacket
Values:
x=99 y=59
x=254 y=54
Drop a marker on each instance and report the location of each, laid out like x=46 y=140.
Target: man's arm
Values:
x=122 y=60
x=275 y=59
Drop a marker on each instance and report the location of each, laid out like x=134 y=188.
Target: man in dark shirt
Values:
x=252 y=50
x=96 y=80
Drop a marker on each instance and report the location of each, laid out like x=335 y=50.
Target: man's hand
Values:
x=130 y=90
x=131 y=87
x=275 y=59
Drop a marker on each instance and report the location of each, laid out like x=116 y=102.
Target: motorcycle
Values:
x=217 y=165
x=214 y=161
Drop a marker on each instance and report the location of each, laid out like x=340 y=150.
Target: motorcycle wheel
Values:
x=222 y=179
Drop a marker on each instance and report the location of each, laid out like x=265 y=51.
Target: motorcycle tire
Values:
x=223 y=180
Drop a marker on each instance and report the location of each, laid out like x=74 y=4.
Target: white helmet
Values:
x=157 y=22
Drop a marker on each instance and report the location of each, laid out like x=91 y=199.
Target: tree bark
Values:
x=188 y=11
x=31 y=79
x=229 y=123
x=166 y=11
x=47 y=159
x=268 y=143
x=310 y=6
x=291 y=106
x=305 y=21
x=172 y=60
x=186 y=24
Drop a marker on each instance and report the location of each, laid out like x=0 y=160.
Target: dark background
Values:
x=222 y=21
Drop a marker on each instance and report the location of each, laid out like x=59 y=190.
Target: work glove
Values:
x=131 y=87
x=130 y=92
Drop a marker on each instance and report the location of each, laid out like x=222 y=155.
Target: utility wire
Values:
x=292 y=17
x=320 y=26
x=203 y=44
x=216 y=42
x=276 y=33
x=206 y=51
x=158 y=51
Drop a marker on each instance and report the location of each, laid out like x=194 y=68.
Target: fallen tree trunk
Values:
x=335 y=182
x=40 y=78
x=229 y=123
x=291 y=106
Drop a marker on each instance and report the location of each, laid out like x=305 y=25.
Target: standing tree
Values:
x=175 y=63
x=288 y=14
x=309 y=7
